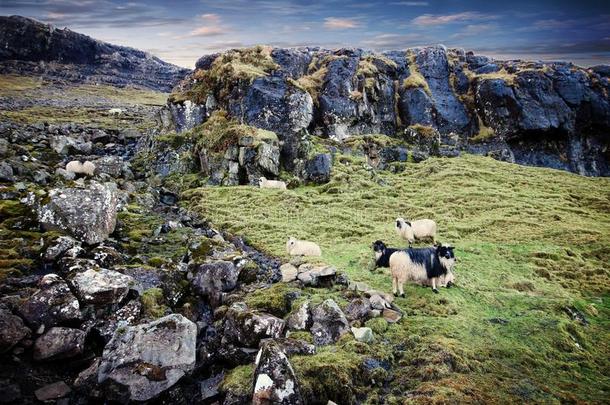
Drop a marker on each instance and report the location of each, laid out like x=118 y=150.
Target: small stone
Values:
x=289 y=272
x=49 y=392
x=364 y=335
x=391 y=315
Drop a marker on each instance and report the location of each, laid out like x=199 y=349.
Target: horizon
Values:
x=181 y=33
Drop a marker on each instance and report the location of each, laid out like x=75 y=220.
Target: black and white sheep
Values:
x=296 y=247
x=418 y=229
x=426 y=266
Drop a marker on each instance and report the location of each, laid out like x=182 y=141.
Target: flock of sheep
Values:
x=431 y=266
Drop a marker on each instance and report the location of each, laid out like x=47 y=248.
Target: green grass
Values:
x=530 y=241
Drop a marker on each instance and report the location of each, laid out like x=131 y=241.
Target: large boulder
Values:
x=212 y=279
x=102 y=286
x=246 y=327
x=329 y=323
x=142 y=361
x=274 y=379
x=12 y=329
x=52 y=304
x=59 y=343
x=88 y=214
x=317 y=169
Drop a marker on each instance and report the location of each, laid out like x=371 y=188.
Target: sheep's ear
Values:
x=408 y=223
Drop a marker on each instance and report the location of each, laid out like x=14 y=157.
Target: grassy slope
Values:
x=88 y=103
x=529 y=240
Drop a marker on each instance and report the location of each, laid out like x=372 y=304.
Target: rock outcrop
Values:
x=31 y=47
x=546 y=114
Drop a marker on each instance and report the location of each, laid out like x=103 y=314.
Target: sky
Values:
x=182 y=31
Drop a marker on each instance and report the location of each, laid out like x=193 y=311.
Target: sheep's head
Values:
x=401 y=223
x=290 y=243
x=262 y=180
x=379 y=246
x=446 y=256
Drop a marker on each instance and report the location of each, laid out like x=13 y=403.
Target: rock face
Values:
x=552 y=114
x=88 y=214
x=274 y=378
x=149 y=358
x=29 y=46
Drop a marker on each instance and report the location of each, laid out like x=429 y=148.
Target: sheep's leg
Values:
x=394 y=283
x=434 y=285
x=400 y=288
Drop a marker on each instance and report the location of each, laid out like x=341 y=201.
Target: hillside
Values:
x=29 y=47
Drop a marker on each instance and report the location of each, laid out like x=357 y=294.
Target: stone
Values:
x=329 y=323
x=59 y=343
x=12 y=329
x=149 y=358
x=391 y=315
x=358 y=309
x=292 y=346
x=247 y=328
x=52 y=391
x=210 y=388
x=300 y=319
x=214 y=278
x=60 y=246
x=102 y=286
x=6 y=172
x=53 y=303
x=88 y=214
x=378 y=302
x=364 y=335
x=317 y=169
x=274 y=379
x=316 y=276
x=289 y=272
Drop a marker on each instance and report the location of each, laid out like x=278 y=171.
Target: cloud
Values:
x=333 y=23
x=438 y=19
x=474 y=29
x=394 y=41
x=212 y=27
x=410 y=3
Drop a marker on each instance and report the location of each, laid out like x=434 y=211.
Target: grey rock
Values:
x=212 y=279
x=329 y=323
x=60 y=246
x=274 y=378
x=149 y=358
x=300 y=319
x=6 y=172
x=318 y=168
x=102 y=286
x=59 y=343
x=364 y=335
x=358 y=309
x=247 y=328
x=52 y=391
x=52 y=304
x=88 y=214
x=12 y=329
x=289 y=272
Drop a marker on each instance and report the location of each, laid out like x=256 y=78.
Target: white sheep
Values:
x=77 y=167
x=115 y=111
x=264 y=183
x=419 y=229
x=296 y=247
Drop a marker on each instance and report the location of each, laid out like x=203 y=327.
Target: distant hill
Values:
x=28 y=46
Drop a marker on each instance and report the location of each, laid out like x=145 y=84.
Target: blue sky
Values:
x=181 y=31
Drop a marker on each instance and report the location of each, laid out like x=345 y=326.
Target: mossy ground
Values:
x=530 y=241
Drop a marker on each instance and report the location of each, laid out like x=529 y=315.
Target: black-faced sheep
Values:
x=296 y=247
x=419 y=229
x=423 y=266
x=264 y=183
x=77 y=167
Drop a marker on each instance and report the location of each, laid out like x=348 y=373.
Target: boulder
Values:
x=316 y=276
x=88 y=214
x=245 y=327
x=59 y=343
x=102 y=286
x=53 y=391
x=329 y=323
x=274 y=379
x=12 y=329
x=149 y=358
x=300 y=319
x=212 y=279
x=358 y=309
x=6 y=172
x=317 y=169
x=60 y=247
x=289 y=272
x=210 y=388
x=52 y=304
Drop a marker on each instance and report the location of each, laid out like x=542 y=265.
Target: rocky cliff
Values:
x=543 y=114
x=28 y=46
